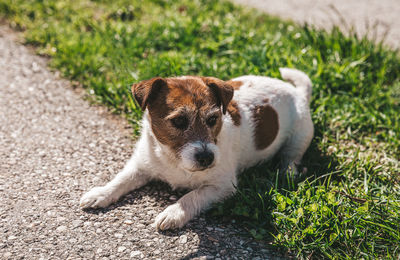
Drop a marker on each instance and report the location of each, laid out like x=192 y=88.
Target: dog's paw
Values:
x=172 y=217
x=98 y=197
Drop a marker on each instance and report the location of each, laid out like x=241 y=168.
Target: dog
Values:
x=200 y=132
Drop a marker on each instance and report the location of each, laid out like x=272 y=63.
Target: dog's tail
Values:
x=299 y=79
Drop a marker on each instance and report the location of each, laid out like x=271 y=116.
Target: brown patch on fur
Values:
x=235 y=84
x=188 y=97
x=233 y=110
x=221 y=89
x=266 y=126
x=147 y=90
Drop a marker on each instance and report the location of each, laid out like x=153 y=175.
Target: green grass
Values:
x=349 y=207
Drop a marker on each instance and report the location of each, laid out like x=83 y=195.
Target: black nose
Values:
x=204 y=158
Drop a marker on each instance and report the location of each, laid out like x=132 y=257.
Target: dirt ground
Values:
x=54 y=147
x=368 y=17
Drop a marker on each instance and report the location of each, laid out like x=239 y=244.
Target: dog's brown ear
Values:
x=222 y=90
x=146 y=91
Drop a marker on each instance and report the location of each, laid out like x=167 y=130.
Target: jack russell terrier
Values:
x=200 y=132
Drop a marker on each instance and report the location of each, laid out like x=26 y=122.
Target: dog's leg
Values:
x=296 y=146
x=130 y=178
x=190 y=205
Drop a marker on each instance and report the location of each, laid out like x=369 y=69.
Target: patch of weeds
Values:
x=348 y=207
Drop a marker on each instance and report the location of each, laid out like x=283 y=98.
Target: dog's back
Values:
x=271 y=111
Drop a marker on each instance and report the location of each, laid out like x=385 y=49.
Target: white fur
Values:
x=187 y=154
x=235 y=150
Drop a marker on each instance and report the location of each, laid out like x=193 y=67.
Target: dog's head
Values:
x=186 y=116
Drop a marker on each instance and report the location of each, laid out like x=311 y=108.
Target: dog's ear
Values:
x=222 y=90
x=146 y=91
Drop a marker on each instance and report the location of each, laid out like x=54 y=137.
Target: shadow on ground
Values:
x=216 y=236
x=241 y=225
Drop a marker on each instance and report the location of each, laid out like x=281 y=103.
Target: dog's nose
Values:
x=204 y=158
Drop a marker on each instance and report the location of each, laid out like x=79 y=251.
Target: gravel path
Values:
x=370 y=17
x=54 y=147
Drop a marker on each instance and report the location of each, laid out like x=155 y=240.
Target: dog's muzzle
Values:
x=199 y=156
x=204 y=158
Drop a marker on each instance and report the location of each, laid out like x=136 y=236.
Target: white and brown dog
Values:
x=188 y=140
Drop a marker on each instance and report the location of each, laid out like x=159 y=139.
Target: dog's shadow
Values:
x=234 y=224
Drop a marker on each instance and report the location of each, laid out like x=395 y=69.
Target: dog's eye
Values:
x=180 y=122
x=211 y=121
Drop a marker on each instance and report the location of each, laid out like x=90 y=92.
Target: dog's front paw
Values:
x=172 y=217
x=98 y=197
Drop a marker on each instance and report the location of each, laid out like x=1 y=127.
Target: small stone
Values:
x=12 y=237
x=128 y=222
x=264 y=251
x=99 y=251
x=7 y=255
x=61 y=219
x=26 y=72
x=118 y=235
x=173 y=198
x=156 y=252
x=76 y=223
x=151 y=212
x=135 y=253
x=61 y=229
x=183 y=239
x=121 y=249
x=219 y=229
x=35 y=67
